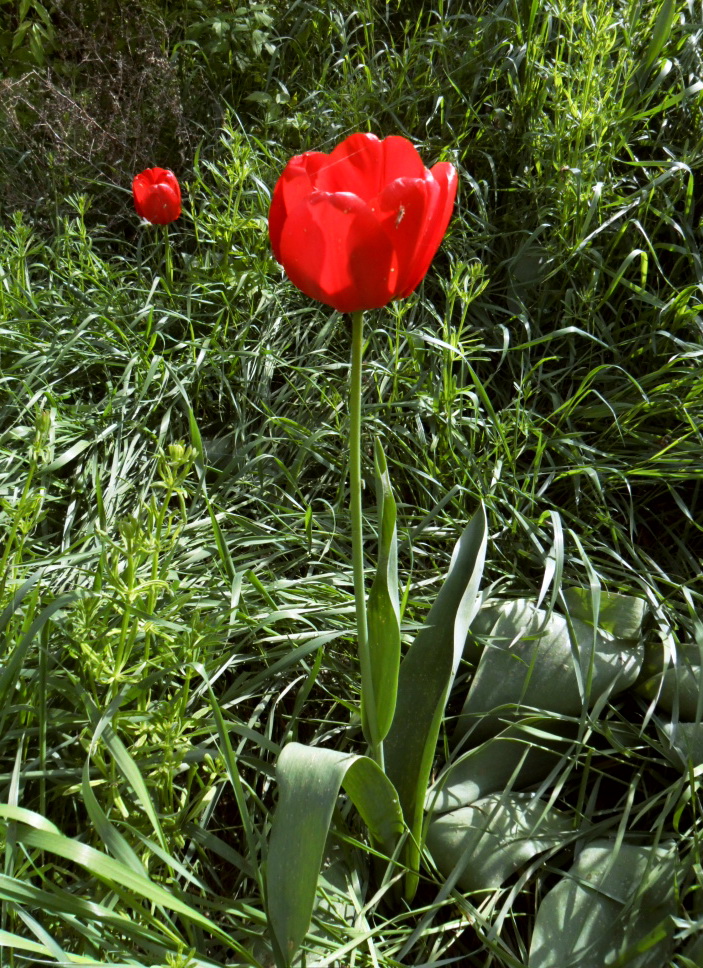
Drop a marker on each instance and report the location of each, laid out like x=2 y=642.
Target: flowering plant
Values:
x=356 y=229
x=157 y=196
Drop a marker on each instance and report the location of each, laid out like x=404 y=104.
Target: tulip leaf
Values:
x=684 y=743
x=482 y=845
x=693 y=952
x=615 y=906
x=309 y=779
x=540 y=661
x=383 y=614
x=520 y=755
x=677 y=685
x=619 y=615
x=426 y=676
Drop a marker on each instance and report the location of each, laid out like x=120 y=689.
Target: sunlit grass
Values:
x=175 y=556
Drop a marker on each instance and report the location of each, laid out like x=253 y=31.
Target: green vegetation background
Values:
x=174 y=541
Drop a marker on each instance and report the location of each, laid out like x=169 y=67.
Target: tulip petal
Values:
x=295 y=183
x=160 y=205
x=401 y=160
x=442 y=185
x=353 y=167
x=363 y=165
x=360 y=226
x=334 y=250
x=401 y=209
x=157 y=195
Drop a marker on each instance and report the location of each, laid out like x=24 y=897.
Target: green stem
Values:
x=367 y=690
x=168 y=259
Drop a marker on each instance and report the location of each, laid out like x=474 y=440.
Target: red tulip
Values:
x=157 y=195
x=359 y=227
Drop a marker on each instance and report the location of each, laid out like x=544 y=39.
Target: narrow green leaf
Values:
x=54 y=949
x=309 y=779
x=67 y=906
x=11 y=670
x=29 y=817
x=426 y=676
x=661 y=33
x=17 y=599
x=383 y=612
x=236 y=782
x=113 y=840
x=130 y=771
x=122 y=877
x=16 y=943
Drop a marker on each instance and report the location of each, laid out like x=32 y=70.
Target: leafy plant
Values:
x=177 y=605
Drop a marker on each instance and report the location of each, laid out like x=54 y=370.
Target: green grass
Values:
x=175 y=558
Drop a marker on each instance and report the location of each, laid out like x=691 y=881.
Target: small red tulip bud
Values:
x=157 y=196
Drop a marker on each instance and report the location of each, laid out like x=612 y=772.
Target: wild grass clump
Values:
x=176 y=596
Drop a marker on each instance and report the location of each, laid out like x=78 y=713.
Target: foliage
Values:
x=176 y=597
x=104 y=91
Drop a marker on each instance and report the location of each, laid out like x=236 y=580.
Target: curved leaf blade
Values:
x=540 y=661
x=426 y=676
x=383 y=615
x=614 y=906
x=309 y=780
x=482 y=845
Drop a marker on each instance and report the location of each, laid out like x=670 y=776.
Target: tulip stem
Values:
x=168 y=259
x=367 y=691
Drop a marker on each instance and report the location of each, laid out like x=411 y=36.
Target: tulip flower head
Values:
x=359 y=227
x=157 y=196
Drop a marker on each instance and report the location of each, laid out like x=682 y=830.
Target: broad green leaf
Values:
x=309 y=779
x=383 y=615
x=619 y=615
x=426 y=676
x=676 y=686
x=684 y=742
x=694 y=952
x=533 y=659
x=482 y=845
x=523 y=753
x=615 y=906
